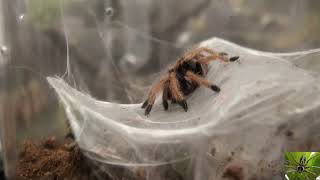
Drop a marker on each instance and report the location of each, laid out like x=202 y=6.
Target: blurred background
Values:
x=114 y=49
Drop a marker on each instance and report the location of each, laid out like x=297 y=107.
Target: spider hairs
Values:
x=184 y=77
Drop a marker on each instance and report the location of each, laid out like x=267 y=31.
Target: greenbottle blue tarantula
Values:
x=184 y=77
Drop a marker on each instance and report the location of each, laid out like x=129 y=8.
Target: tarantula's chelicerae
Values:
x=184 y=77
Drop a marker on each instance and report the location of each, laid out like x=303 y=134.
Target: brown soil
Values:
x=233 y=172
x=50 y=159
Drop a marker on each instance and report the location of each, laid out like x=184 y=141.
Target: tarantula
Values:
x=184 y=77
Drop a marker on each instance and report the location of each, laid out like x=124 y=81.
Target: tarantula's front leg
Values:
x=212 y=55
x=176 y=93
x=197 y=51
x=221 y=56
x=165 y=95
x=201 y=81
x=155 y=89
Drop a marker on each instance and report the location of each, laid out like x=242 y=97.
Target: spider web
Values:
x=263 y=96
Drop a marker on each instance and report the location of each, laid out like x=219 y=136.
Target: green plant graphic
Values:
x=302 y=165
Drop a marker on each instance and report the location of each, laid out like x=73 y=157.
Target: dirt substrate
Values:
x=53 y=160
x=50 y=159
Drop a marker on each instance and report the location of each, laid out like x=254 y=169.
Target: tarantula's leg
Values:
x=155 y=89
x=218 y=56
x=184 y=84
x=221 y=54
x=173 y=101
x=207 y=50
x=165 y=95
x=208 y=59
x=200 y=70
x=184 y=105
x=144 y=105
x=196 y=52
x=234 y=58
x=201 y=81
x=176 y=93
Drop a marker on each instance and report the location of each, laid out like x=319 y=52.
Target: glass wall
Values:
x=114 y=50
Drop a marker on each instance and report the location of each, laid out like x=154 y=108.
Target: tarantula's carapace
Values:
x=184 y=77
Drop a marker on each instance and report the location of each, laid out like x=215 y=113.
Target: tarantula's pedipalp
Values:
x=184 y=77
x=201 y=81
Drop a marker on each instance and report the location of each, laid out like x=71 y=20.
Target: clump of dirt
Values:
x=50 y=159
x=233 y=172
